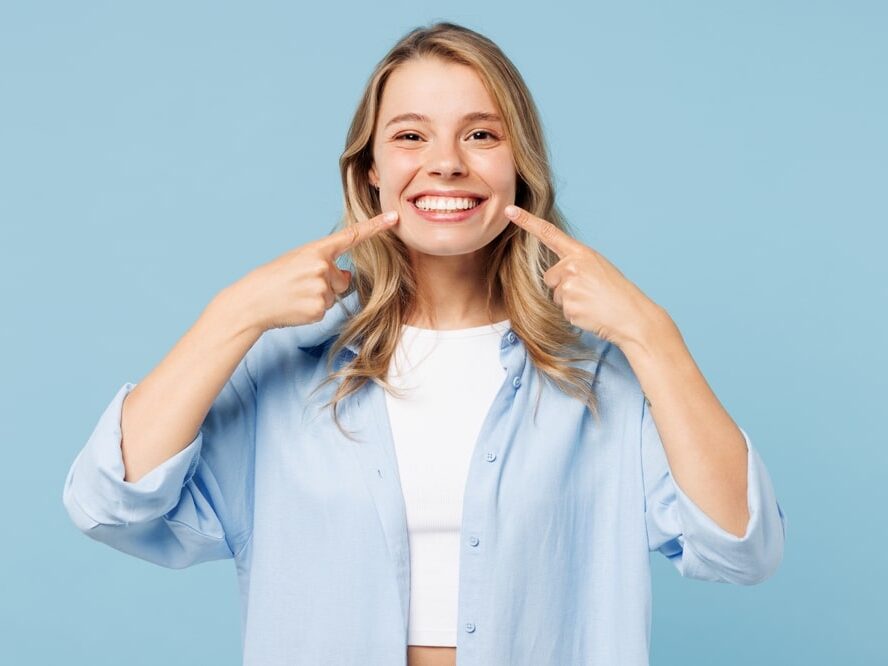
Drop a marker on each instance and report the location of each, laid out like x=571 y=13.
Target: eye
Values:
x=486 y=135
x=489 y=134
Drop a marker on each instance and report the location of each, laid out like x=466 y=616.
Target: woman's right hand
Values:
x=299 y=286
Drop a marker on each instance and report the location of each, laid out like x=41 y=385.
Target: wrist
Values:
x=655 y=333
x=232 y=312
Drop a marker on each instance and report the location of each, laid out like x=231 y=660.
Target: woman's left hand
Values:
x=591 y=291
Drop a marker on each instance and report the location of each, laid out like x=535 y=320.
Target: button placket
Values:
x=472 y=572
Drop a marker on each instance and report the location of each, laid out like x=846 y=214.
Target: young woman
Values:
x=455 y=445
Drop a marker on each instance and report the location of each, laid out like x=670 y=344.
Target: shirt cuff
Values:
x=95 y=492
x=748 y=559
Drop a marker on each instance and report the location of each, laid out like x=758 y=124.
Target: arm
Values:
x=192 y=501
x=705 y=448
x=729 y=520
x=163 y=413
x=709 y=507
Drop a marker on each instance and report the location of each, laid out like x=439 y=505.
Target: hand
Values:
x=301 y=285
x=591 y=291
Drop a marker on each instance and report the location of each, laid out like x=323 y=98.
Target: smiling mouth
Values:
x=447 y=211
x=446 y=216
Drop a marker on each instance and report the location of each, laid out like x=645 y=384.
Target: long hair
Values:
x=382 y=273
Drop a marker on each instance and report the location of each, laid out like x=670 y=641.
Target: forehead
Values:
x=443 y=91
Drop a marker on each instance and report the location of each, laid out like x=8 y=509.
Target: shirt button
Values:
x=491 y=456
x=516 y=382
x=511 y=338
x=470 y=627
x=473 y=541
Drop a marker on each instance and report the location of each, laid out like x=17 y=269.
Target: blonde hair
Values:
x=382 y=273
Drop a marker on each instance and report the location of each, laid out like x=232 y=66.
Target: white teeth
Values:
x=445 y=203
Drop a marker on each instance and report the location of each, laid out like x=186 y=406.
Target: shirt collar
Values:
x=314 y=337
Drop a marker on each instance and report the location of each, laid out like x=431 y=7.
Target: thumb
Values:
x=342 y=280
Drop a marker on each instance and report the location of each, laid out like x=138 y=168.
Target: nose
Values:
x=445 y=159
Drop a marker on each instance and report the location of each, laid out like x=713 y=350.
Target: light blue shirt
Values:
x=560 y=513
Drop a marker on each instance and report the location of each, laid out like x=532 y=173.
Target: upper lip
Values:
x=445 y=193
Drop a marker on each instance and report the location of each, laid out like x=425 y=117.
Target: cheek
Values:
x=499 y=173
x=397 y=167
x=499 y=226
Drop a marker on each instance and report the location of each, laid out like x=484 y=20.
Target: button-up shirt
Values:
x=560 y=512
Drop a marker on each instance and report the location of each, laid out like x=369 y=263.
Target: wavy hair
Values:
x=382 y=273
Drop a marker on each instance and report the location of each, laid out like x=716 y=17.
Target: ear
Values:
x=374 y=178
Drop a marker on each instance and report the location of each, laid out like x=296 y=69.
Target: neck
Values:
x=452 y=293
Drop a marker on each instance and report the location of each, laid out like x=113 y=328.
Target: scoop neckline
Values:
x=457 y=332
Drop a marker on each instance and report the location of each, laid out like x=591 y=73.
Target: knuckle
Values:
x=319 y=307
x=319 y=285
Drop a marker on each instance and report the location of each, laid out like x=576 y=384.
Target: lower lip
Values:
x=457 y=216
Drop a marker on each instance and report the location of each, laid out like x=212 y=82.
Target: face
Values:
x=458 y=147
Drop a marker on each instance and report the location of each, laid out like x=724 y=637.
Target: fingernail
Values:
x=511 y=210
x=391 y=216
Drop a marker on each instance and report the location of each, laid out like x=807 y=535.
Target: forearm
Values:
x=705 y=449
x=163 y=413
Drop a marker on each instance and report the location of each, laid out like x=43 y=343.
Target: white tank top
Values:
x=450 y=378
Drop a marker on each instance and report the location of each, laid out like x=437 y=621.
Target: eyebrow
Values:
x=418 y=117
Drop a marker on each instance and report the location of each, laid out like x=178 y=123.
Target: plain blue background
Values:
x=730 y=160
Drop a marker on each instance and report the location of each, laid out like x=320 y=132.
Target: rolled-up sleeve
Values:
x=194 y=507
x=697 y=546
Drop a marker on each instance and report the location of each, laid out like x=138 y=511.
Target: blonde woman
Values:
x=453 y=447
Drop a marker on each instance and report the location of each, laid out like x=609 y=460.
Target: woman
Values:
x=378 y=470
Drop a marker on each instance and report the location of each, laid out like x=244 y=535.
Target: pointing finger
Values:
x=345 y=239
x=545 y=231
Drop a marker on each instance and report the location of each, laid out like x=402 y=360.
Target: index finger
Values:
x=544 y=230
x=345 y=239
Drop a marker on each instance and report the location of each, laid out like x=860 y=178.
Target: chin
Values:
x=441 y=247
x=448 y=250
x=444 y=241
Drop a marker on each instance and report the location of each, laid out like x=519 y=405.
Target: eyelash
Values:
x=491 y=134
